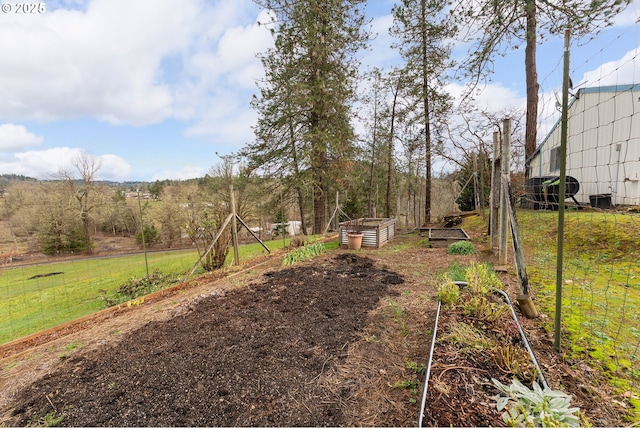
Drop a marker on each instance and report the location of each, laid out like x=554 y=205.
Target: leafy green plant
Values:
x=467 y=337
x=397 y=311
x=51 y=419
x=71 y=346
x=457 y=272
x=480 y=279
x=303 y=253
x=461 y=248
x=68 y=350
x=482 y=309
x=535 y=407
x=448 y=292
x=136 y=287
x=414 y=366
x=410 y=385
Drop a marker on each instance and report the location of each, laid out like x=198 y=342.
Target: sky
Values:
x=160 y=89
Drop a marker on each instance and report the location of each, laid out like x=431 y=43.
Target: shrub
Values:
x=461 y=248
x=151 y=236
x=55 y=241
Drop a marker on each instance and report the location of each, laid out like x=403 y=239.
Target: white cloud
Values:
x=227 y=120
x=231 y=58
x=105 y=61
x=46 y=164
x=624 y=71
x=100 y=62
x=185 y=173
x=493 y=97
x=114 y=168
x=16 y=137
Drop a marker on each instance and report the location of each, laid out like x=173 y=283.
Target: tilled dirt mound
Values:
x=251 y=356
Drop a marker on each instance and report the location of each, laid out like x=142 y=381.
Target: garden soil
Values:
x=340 y=340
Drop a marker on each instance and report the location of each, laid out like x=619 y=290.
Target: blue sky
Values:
x=155 y=88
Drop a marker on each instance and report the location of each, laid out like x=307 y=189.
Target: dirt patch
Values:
x=335 y=341
x=252 y=356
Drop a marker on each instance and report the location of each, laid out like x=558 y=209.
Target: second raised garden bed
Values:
x=375 y=231
x=442 y=237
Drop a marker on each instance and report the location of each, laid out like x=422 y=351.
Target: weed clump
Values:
x=303 y=253
x=481 y=279
x=136 y=287
x=448 y=292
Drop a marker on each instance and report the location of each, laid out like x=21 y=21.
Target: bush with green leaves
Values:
x=461 y=248
x=535 y=407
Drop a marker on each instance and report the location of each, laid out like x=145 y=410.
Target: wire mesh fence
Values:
x=600 y=286
x=600 y=273
x=40 y=296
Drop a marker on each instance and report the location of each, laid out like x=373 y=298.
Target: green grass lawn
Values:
x=601 y=283
x=35 y=298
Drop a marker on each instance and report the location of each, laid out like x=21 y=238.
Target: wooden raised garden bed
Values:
x=442 y=237
x=375 y=231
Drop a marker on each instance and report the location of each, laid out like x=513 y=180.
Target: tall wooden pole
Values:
x=505 y=161
x=234 y=228
x=337 y=220
x=524 y=298
x=495 y=191
x=144 y=243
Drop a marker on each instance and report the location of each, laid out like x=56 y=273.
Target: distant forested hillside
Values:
x=5 y=179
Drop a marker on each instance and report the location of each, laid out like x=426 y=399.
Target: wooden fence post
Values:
x=524 y=299
x=234 y=227
x=495 y=191
x=505 y=164
x=508 y=210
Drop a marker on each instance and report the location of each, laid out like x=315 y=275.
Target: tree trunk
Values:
x=531 y=76
x=296 y=169
x=427 y=130
x=373 y=156
x=318 y=165
x=390 y=153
